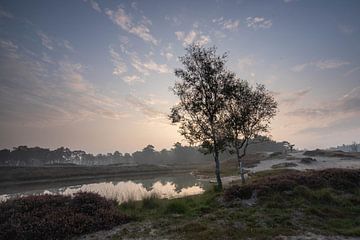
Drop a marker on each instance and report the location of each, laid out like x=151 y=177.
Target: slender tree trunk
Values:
x=217 y=168
x=240 y=159
x=242 y=171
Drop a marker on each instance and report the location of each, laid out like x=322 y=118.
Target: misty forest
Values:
x=179 y=120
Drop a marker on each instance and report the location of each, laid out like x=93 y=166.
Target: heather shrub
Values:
x=176 y=207
x=57 y=216
x=347 y=180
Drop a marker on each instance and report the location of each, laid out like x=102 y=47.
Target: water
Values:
x=122 y=191
x=180 y=186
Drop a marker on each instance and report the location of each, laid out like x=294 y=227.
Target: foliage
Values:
x=57 y=216
x=329 y=208
x=340 y=179
x=202 y=94
x=249 y=111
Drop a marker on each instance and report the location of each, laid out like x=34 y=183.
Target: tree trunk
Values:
x=241 y=165
x=240 y=159
x=217 y=169
x=242 y=171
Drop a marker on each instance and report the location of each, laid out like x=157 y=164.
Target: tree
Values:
x=249 y=111
x=200 y=111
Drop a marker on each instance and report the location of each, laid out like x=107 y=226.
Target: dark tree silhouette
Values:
x=202 y=95
x=249 y=111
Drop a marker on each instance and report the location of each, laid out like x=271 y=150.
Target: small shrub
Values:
x=338 y=179
x=176 y=206
x=151 y=202
x=57 y=216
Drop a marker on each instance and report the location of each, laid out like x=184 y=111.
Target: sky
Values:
x=96 y=75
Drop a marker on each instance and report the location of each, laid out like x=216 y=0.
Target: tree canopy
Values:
x=215 y=107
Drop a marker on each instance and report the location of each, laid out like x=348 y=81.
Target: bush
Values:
x=151 y=202
x=57 y=216
x=338 y=179
x=176 y=206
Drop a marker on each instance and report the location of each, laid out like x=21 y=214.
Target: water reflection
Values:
x=123 y=191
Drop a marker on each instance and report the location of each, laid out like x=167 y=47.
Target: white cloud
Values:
x=246 y=62
x=258 y=22
x=291 y=98
x=322 y=64
x=119 y=65
x=9 y=48
x=349 y=103
x=122 y=19
x=228 y=24
x=167 y=52
x=174 y=20
x=330 y=63
x=346 y=29
x=46 y=41
x=351 y=71
x=131 y=79
x=192 y=37
x=94 y=5
x=299 y=67
x=67 y=45
x=5 y=14
x=145 y=107
x=50 y=42
x=146 y=66
x=73 y=78
x=49 y=96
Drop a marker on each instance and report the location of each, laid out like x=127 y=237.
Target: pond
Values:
x=122 y=191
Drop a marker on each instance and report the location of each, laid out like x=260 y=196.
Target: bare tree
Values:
x=202 y=95
x=249 y=111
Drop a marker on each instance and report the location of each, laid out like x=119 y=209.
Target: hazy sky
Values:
x=95 y=75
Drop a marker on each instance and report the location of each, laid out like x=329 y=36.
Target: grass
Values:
x=329 y=208
x=288 y=202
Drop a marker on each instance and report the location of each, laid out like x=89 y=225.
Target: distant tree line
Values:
x=178 y=154
x=353 y=147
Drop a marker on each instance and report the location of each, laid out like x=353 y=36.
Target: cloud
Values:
x=346 y=29
x=122 y=19
x=228 y=24
x=66 y=44
x=5 y=14
x=31 y=93
x=167 y=52
x=50 y=43
x=321 y=64
x=94 y=5
x=46 y=41
x=144 y=107
x=347 y=104
x=246 y=62
x=10 y=48
x=351 y=71
x=119 y=65
x=294 y=97
x=192 y=37
x=145 y=66
x=258 y=23
x=131 y=79
x=334 y=127
x=174 y=20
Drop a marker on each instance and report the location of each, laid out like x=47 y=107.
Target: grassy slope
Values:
x=321 y=210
